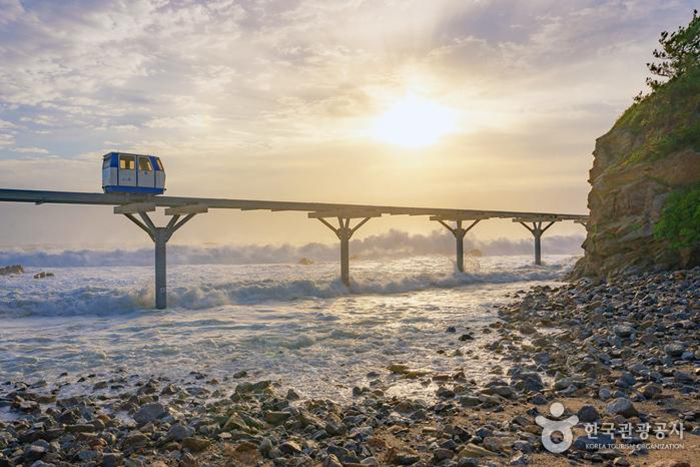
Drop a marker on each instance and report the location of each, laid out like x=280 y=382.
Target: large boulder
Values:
x=10 y=270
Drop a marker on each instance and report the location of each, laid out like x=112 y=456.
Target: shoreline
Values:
x=625 y=352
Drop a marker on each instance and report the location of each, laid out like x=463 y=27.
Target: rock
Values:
x=305 y=262
x=178 y=432
x=236 y=422
x=651 y=391
x=398 y=368
x=623 y=330
x=188 y=460
x=563 y=383
x=89 y=455
x=42 y=464
x=266 y=445
x=523 y=446
x=290 y=447
x=674 y=350
x=441 y=454
x=683 y=378
x=472 y=450
x=292 y=395
x=621 y=406
x=111 y=459
x=335 y=427
x=277 y=418
x=542 y=358
x=587 y=414
x=670 y=463
x=405 y=459
x=149 y=413
x=501 y=444
x=34 y=452
x=253 y=388
x=11 y=270
x=196 y=444
x=135 y=439
x=505 y=391
x=469 y=401
x=538 y=400
x=169 y=390
x=332 y=461
x=518 y=459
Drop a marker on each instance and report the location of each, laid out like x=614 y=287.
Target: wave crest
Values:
x=103 y=301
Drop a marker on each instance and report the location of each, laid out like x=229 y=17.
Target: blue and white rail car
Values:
x=132 y=173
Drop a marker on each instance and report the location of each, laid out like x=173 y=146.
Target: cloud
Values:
x=30 y=150
x=10 y=10
x=5 y=125
x=274 y=98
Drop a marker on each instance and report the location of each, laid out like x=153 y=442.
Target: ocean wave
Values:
x=393 y=243
x=30 y=301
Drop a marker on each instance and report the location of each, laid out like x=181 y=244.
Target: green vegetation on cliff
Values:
x=668 y=119
x=680 y=220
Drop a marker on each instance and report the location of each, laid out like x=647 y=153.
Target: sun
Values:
x=414 y=122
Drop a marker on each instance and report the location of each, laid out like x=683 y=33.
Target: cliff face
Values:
x=652 y=151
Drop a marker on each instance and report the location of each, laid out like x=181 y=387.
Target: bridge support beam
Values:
x=537 y=230
x=160 y=237
x=459 y=233
x=344 y=232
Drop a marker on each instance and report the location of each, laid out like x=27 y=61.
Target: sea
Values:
x=295 y=324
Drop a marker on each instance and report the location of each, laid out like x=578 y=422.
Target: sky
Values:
x=479 y=104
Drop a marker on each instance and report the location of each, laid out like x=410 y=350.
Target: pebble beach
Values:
x=618 y=354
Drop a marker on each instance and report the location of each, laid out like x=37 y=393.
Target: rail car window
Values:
x=106 y=162
x=127 y=163
x=145 y=164
x=159 y=164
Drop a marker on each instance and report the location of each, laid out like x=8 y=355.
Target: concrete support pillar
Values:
x=344 y=233
x=538 y=246
x=459 y=234
x=161 y=240
x=344 y=236
x=459 y=237
x=160 y=237
x=537 y=230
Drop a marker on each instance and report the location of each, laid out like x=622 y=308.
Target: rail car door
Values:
x=146 y=177
x=127 y=170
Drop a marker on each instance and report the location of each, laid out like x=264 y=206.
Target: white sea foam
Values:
x=289 y=322
x=106 y=291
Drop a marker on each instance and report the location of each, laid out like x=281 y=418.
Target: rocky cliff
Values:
x=653 y=150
